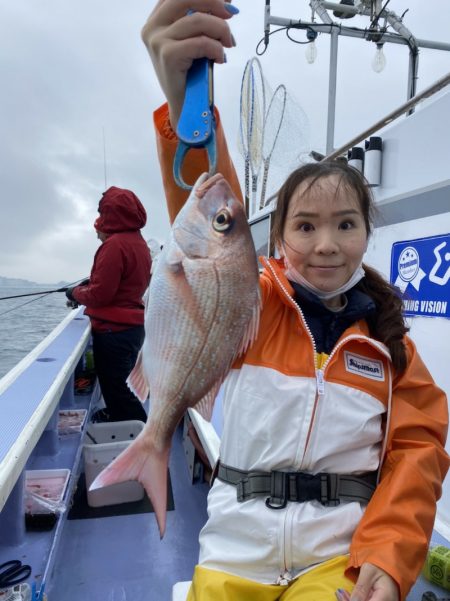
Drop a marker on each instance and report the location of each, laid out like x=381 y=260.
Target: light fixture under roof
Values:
x=311 y=48
x=344 y=15
x=379 y=60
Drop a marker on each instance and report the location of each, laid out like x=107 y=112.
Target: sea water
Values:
x=23 y=326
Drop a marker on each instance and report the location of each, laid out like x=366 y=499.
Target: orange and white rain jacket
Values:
x=353 y=414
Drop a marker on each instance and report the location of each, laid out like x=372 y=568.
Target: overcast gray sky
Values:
x=70 y=71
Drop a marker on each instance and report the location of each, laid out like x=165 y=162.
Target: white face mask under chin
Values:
x=295 y=276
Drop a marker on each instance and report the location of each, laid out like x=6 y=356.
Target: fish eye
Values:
x=221 y=221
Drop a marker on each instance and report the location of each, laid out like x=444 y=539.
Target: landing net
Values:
x=274 y=136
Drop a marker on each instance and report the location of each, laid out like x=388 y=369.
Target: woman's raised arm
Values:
x=179 y=31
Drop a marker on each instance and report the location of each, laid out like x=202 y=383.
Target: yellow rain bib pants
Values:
x=319 y=584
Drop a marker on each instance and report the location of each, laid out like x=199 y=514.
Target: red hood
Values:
x=120 y=211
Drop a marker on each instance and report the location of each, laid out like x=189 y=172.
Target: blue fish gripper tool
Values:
x=196 y=126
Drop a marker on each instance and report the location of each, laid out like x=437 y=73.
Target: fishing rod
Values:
x=34 y=293
x=41 y=294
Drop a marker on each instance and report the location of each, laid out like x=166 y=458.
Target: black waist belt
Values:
x=280 y=487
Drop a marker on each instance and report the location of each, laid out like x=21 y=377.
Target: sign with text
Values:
x=421 y=270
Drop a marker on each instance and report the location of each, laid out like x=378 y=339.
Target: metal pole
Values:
x=317 y=7
x=412 y=75
x=332 y=90
x=104 y=158
x=353 y=32
x=267 y=23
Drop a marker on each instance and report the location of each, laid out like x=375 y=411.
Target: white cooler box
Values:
x=112 y=438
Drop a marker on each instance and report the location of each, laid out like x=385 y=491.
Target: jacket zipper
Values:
x=285 y=577
x=297 y=308
x=320 y=382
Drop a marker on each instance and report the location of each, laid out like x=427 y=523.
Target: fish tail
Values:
x=146 y=465
x=137 y=380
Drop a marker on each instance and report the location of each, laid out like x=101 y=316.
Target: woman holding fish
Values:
x=332 y=455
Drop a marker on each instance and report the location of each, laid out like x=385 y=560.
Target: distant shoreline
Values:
x=20 y=283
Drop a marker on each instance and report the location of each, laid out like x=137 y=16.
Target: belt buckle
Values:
x=279 y=490
x=328 y=490
x=240 y=490
x=302 y=483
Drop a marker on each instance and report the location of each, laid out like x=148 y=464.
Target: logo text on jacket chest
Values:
x=369 y=368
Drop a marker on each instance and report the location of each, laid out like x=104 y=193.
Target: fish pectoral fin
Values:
x=174 y=257
x=137 y=380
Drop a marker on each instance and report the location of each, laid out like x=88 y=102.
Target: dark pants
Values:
x=115 y=354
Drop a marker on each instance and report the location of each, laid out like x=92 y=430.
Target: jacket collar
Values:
x=274 y=271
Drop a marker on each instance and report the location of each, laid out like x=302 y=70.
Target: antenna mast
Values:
x=104 y=157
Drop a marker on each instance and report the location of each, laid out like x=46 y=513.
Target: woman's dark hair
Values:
x=386 y=323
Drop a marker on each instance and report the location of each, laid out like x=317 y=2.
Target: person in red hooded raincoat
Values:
x=113 y=295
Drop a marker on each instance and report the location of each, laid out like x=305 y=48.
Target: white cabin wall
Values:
x=416 y=151
x=414 y=200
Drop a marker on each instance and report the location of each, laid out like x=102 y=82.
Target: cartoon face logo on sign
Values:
x=408 y=264
x=408 y=269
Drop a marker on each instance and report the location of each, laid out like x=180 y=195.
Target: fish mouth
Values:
x=207 y=183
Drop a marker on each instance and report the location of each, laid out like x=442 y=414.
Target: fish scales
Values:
x=185 y=346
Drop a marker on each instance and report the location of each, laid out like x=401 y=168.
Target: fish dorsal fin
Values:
x=206 y=404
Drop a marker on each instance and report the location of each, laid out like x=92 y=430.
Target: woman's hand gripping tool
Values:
x=196 y=126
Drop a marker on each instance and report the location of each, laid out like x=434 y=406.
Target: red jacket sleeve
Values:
x=396 y=528
x=105 y=277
